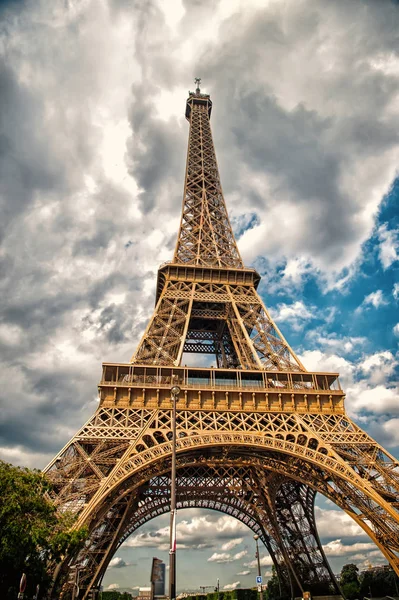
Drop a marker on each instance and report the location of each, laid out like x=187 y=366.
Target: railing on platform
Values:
x=210 y=378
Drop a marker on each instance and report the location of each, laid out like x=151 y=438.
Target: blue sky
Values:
x=92 y=156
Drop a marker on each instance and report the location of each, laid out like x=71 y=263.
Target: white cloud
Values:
x=199 y=532
x=226 y=557
x=265 y=561
x=10 y=334
x=334 y=342
x=395 y=291
x=379 y=366
x=332 y=523
x=337 y=548
x=295 y=271
x=232 y=586
x=377 y=360
x=240 y=555
x=386 y=431
x=113 y=586
x=117 y=563
x=396 y=329
x=366 y=382
x=389 y=245
x=231 y=544
x=316 y=360
x=220 y=557
x=375 y=299
x=296 y=314
x=378 y=400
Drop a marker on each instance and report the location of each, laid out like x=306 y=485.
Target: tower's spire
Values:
x=205 y=236
x=206 y=299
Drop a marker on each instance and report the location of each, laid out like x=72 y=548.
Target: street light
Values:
x=256 y=537
x=174 y=392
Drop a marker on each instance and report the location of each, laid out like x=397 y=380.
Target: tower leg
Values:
x=290 y=508
x=294 y=512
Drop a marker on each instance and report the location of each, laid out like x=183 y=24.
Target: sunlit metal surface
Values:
x=257 y=435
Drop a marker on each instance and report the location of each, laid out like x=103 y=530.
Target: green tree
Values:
x=350 y=590
x=349 y=574
x=273 y=586
x=31 y=531
x=349 y=581
x=378 y=582
x=115 y=595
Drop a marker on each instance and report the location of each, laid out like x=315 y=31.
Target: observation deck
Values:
x=188 y=272
x=139 y=386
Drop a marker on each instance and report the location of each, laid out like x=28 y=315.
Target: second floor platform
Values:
x=221 y=389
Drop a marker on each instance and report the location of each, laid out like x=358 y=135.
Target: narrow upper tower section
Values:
x=205 y=235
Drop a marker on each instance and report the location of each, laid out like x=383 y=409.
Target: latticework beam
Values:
x=258 y=436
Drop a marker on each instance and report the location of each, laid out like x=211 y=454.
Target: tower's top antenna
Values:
x=195 y=98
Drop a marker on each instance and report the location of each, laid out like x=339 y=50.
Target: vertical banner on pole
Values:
x=173 y=543
x=22 y=586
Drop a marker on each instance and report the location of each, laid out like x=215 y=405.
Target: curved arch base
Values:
x=278 y=462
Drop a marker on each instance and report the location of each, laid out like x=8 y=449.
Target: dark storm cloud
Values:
x=155 y=154
x=114 y=322
x=297 y=103
x=26 y=165
x=63 y=252
x=304 y=151
x=156 y=150
x=41 y=408
x=300 y=162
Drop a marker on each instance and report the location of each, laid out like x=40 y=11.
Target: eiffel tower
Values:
x=257 y=435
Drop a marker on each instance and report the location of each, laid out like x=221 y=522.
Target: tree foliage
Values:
x=349 y=574
x=273 y=591
x=349 y=581
x=32 y=533
x=239 y=594
x=350 y=590
x=115 y=595
x=378 y=582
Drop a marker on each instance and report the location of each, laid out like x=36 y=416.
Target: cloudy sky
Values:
x=92 y=158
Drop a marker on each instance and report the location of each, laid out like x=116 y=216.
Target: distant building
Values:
x=144 y=593
x=159 y=584
x=157 y=578
x=377 y=569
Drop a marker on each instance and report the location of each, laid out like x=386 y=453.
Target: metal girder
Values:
x=206 y=239
x=208 y=483
x=258 y=436
x=279 y=443
x=205 y=236
x=257 y=342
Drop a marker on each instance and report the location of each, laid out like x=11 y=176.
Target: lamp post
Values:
x=256 y=537
x=174 y=392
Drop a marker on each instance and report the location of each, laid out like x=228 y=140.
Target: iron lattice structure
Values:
x=258 y=435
